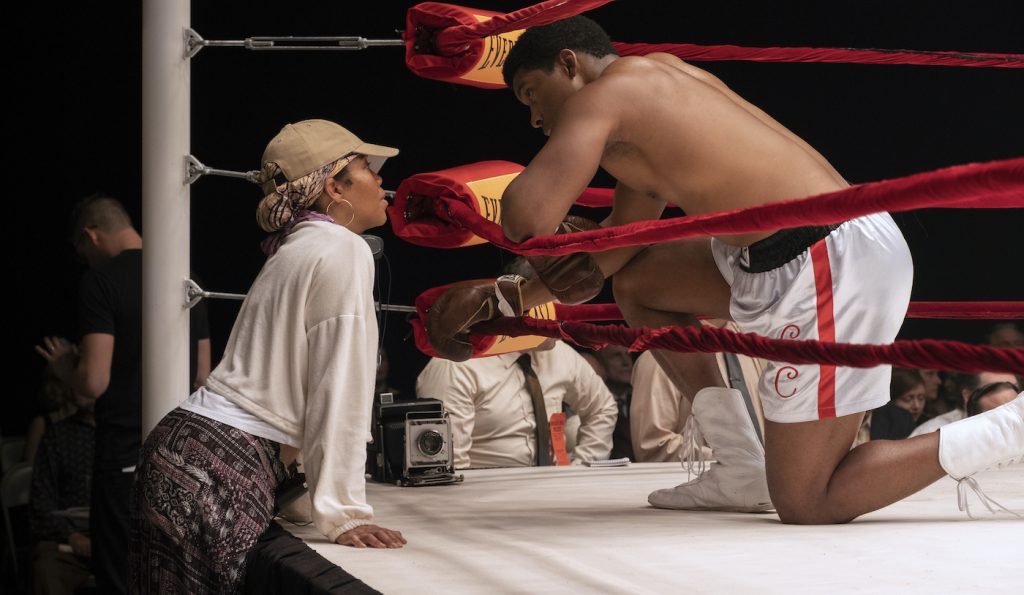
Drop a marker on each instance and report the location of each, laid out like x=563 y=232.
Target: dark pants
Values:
x=108 y=528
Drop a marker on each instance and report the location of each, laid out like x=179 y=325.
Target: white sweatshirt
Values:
x=302 y=357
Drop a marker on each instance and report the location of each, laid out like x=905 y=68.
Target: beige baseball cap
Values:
x=303 y=147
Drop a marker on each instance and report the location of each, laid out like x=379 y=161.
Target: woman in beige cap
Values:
x=298 y=370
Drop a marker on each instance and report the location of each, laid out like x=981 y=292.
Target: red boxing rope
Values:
x=468 y=46
x=587 y=312
x=967 y=310
x=940 y=310
x=993 y=185
x=453 y=40
x=689 y=51
x=928 y=354
x=486 y=344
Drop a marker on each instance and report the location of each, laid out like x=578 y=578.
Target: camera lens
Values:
x=430 y=443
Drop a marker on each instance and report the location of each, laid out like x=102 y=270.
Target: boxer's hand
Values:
x=459 y=308
x=371 y=536
x=574 y=278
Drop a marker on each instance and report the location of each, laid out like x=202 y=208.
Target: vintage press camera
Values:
x=412 y=443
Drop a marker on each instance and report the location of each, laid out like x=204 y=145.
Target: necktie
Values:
x=540 y=411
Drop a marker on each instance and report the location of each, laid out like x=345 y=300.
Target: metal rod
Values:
x=216 y=295
x=194 y=293
x=195 y=169
x=394 y=308
x=288 y=43
x=250 y=175
x=310 y=43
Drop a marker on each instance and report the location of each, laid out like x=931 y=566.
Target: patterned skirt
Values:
x=203 y=494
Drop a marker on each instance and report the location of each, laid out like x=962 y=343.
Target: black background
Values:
x=73 y=126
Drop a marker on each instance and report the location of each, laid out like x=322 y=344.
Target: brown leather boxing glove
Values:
x=573 y=278
x=459 y=308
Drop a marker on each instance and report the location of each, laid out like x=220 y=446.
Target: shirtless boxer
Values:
x=670 y=132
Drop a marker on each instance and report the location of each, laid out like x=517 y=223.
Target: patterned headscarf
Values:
x=289 y=204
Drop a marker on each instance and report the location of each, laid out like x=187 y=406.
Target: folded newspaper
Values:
x=623 y=462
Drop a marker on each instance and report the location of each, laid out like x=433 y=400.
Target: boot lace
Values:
x=963 y=498
x=692 y=455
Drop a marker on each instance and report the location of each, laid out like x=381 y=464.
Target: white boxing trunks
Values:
x=850 y=286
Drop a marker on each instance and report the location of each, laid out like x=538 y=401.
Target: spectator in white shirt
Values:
x=491 y=408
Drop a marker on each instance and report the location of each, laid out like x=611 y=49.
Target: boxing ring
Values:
x=467 y=46
x=587 y=530
x=578 y=529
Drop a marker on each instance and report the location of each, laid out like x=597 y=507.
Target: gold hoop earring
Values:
x=350 y=219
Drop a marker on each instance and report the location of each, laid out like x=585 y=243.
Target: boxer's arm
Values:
x=630 y=206
x=538 y=199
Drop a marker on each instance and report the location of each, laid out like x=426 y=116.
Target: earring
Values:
x=350 y=219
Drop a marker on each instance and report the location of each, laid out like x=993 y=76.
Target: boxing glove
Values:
x=573 y=278
x=459 y=308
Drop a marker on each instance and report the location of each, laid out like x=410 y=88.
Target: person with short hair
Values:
x=492 y=413
x=491 y=404
x=989 y=396
x=668 y=131
x=106 y=366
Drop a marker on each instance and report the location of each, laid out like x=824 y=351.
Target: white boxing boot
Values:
x=735 y=481
x=991 y=439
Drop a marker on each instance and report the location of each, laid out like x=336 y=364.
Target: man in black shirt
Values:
x=109 y=369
